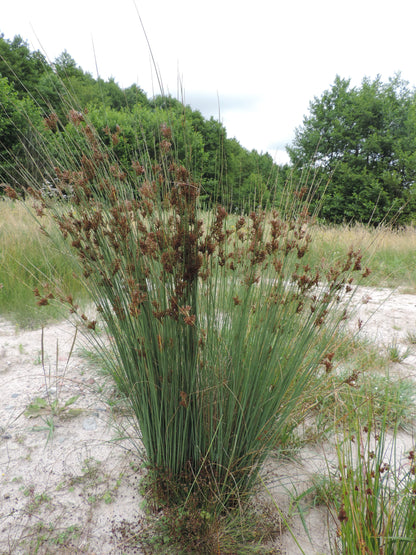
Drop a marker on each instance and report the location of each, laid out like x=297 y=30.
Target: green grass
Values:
x=396 y=353
x=375 y=511
x=360 y=412
x=371 y=493
x=341 y=401
x=28 y=260
x=359 y=378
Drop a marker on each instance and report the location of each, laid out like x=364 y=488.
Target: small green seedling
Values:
x=40 y=407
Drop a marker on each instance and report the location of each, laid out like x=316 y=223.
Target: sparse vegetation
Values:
x=396 y=353
x=350 y=394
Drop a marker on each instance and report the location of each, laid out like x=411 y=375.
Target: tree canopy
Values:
x=228 y=172
x=362 y=143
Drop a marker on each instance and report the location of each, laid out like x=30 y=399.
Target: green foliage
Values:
x=140 y=135
x=19 y=120
x=40 y=406
x=28 y=260
x=251 y=178
x=20 y=66
x=375 y=511
x=228 y=173
x=362 y=141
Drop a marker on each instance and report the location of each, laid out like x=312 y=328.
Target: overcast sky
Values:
x=255 y=65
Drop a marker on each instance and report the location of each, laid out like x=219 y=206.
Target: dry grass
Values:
x=388 y=252
x=371 y=239
x=26 y=255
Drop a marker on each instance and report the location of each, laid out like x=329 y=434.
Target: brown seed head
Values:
x=166 y=131
x=51 y=121
x=9 y=191
x=342 y=515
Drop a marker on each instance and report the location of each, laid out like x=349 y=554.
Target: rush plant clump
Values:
x=216 y=326
x=376 y=509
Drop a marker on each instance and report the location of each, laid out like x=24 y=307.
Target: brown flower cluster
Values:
x=130 y=222
x=9 y=191
x=51 y=121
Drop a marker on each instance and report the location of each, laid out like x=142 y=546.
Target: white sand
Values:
x=80 y=478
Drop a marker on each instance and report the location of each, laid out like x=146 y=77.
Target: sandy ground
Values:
x=70 y=485
x=63 y=479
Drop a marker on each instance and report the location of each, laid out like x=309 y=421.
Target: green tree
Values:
x=20 y=120
x=20 y=66
x=131 y=124
x=79 y=88
x=135 y=95
x=361 y=140
x=214 y=137
x=251 y=176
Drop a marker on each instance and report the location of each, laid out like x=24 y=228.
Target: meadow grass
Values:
x=27 y=260
x=389 y=252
